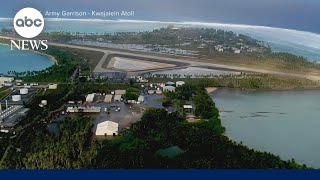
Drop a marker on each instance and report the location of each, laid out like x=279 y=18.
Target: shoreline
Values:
x=191 y=62
x=37 y=52
x=266 y=90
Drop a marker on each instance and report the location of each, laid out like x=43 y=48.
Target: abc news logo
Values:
x=29 y=23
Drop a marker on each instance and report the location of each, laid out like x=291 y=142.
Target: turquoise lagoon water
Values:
x=282 y=122
x=301 y=43
x=21 y=61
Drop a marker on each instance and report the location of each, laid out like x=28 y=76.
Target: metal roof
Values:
x=107 y=128
x=108 y=98
x=117 y=97
x=187 y=106
x=120 y=92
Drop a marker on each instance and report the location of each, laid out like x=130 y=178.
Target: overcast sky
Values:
x=296 y=14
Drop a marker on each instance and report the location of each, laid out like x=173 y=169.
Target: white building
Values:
x=117 y=98
x=6 y=80
x=108 y=98
x=53 y=86
x=141 y=99
x=169 y=88
x=131 y=101
x=4 y=130
x=218 y=47
x=9 y=112
x=81 y=109
x=7 y=84
x=90 y=97
x=120 y=92
x=180 y=83
x=237 y=51
x=107 y=128
x=186 y=106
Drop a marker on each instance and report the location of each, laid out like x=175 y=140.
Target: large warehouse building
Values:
x=107 y=128
x=6 y=80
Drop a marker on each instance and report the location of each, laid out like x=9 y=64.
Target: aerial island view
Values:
x=114 y=92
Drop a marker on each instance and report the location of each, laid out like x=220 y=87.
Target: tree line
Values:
x=203 y=143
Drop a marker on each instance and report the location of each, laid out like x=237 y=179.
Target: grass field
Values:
x=248 y=81
x=280 y=62
x=5 y=91
x=269 y=61
x=91 y=57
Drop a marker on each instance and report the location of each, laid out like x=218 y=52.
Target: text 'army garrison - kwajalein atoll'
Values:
x=91 y=14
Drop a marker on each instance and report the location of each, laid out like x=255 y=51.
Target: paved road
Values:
x=99 y=67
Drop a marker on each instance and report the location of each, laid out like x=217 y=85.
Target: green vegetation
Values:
x=69 y=150
x=186 y=38
x=57 y=73
x=159 y=140
x=246 y=81
x=254 y=54
x=4 y=41
x=205 y=107
x=32 y=126
x=275 y=61
x=91 y=87
x=4 y=144
x=132 y=93
x=4 y=92
x=200 y=144
x=34 y=147
x=68 y=60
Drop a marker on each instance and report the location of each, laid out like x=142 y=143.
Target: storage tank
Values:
x=180 y=83
x=24 y=91
x=151 y=92
x=169 y=88
x=16 y=98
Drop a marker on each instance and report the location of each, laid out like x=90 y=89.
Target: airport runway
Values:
x=99 y=67
x=181 y=62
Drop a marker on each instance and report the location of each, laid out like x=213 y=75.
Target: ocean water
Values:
x=285 y=123
x=300 y=43
x=21 y=61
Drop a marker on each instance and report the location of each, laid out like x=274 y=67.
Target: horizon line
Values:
x=197 y=23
